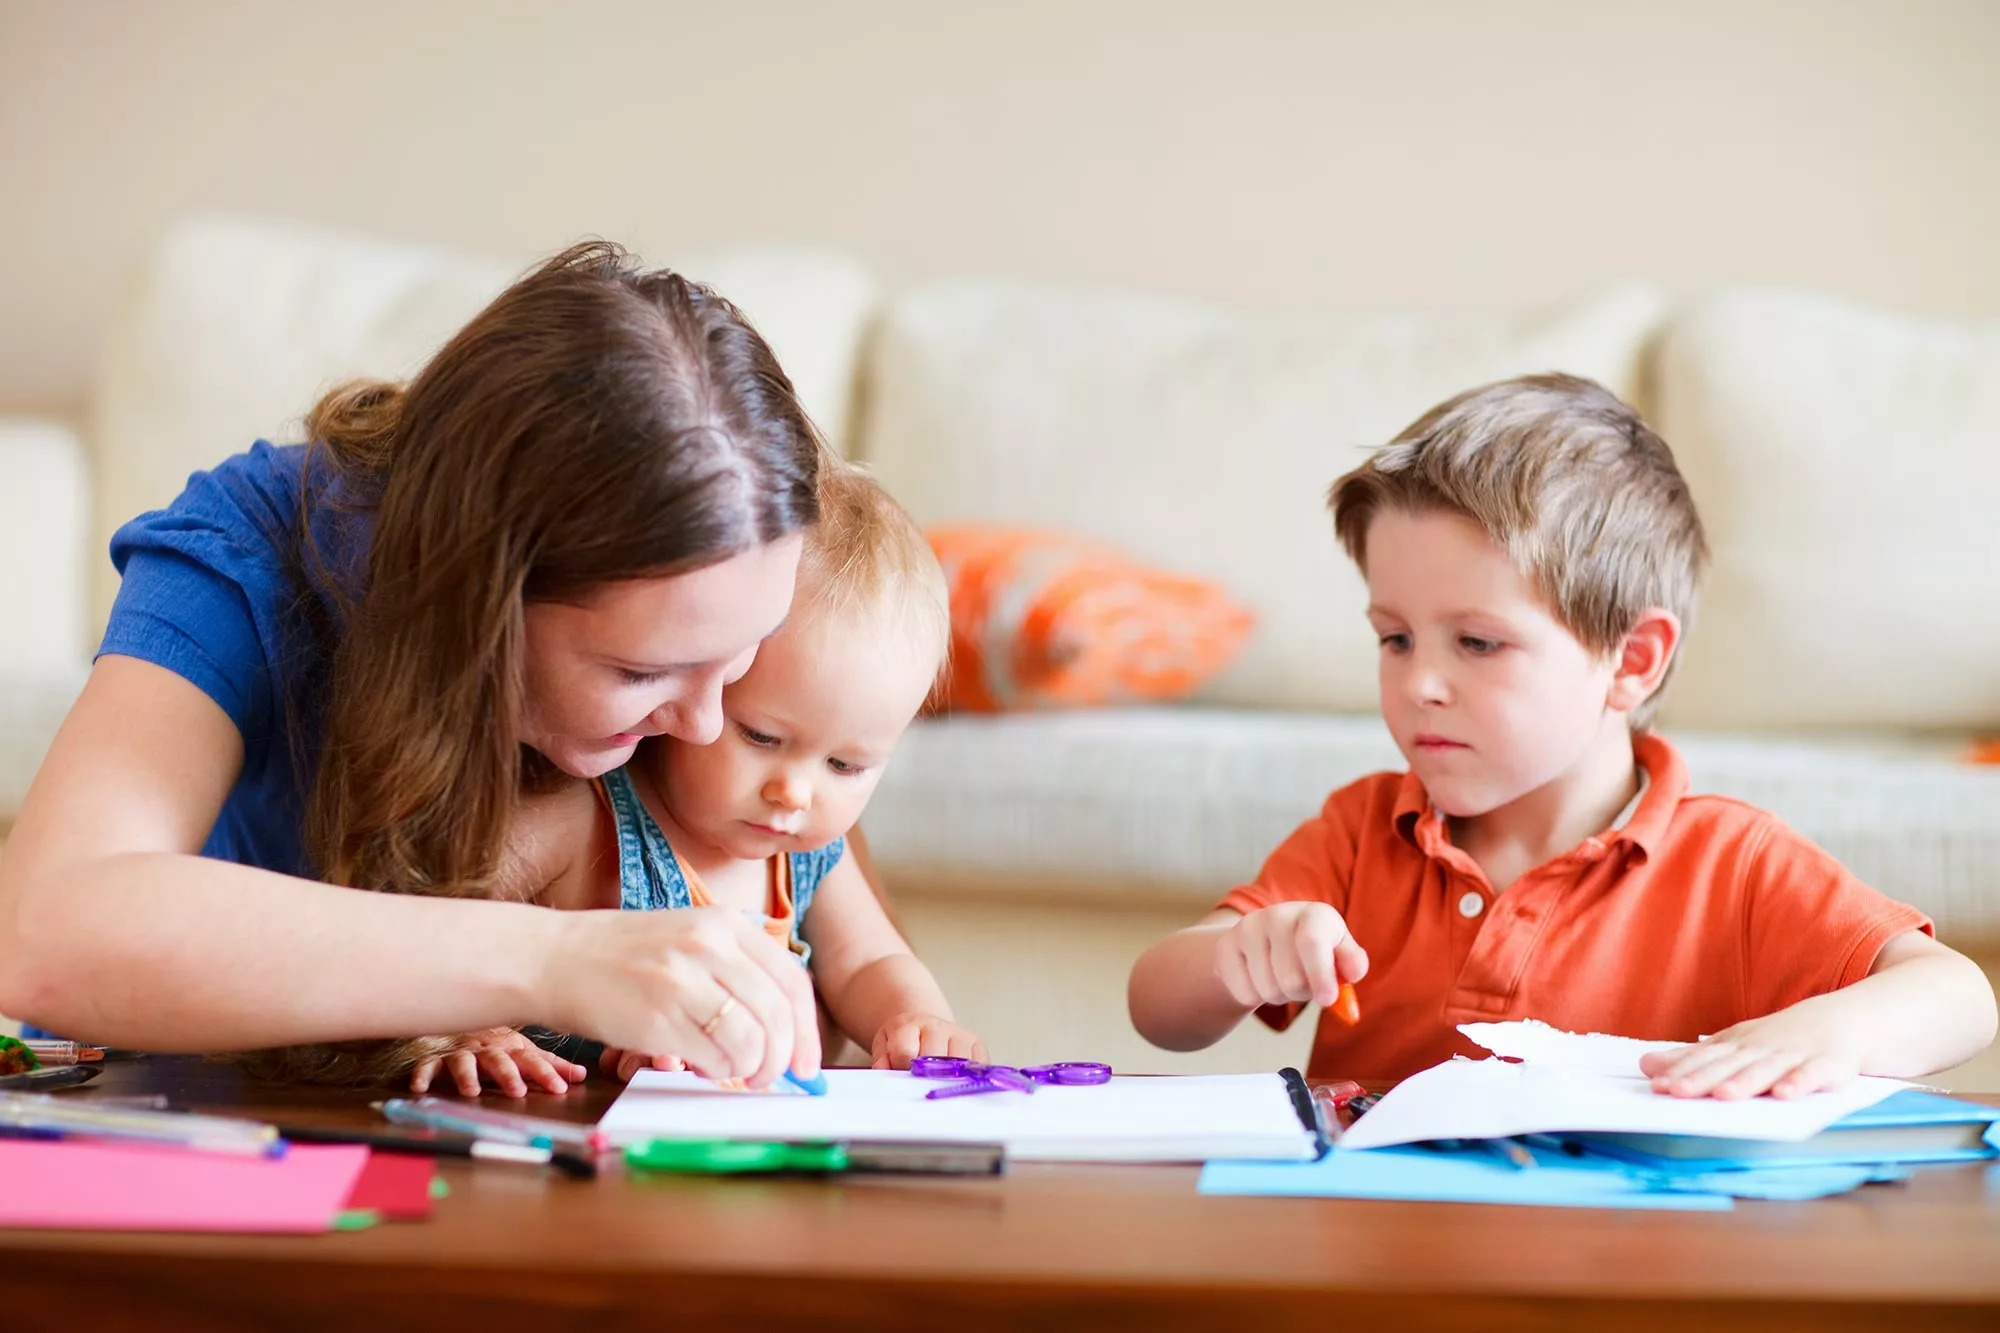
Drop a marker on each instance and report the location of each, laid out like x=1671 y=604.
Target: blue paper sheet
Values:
x=1454 y=1177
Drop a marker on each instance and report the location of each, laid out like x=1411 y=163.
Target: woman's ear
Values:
x=1643 y=658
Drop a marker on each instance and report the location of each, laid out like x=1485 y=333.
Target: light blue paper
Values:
x=1454 y=1177
x=1790 y=1183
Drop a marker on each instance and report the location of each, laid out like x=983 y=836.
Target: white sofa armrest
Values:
x=44 y=548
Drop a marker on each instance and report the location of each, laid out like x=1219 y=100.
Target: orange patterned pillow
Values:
x=1040 y=620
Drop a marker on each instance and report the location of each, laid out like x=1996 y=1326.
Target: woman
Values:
x=343 y=664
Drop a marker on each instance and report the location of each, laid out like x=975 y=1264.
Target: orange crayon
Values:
x=1346 y=1007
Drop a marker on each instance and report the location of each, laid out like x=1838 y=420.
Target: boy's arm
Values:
x=1280 y=940
x=1921 y=1008
x=1177 y=998
x=875 y=988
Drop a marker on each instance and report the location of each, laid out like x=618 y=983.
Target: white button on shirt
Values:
x=1471 y=904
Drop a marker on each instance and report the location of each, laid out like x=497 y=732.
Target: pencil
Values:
x=65 y=1052
x=485 y=1150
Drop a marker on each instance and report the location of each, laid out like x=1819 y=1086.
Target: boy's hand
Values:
x=621 y=1065
x=907 y=1036
x=503 y=1059
x=1787 y=1054
x=1287 y=953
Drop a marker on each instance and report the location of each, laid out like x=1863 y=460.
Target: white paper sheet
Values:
x=1138 y=1119
x=1574 y=1081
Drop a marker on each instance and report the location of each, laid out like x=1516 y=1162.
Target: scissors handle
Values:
x=1070 y=1073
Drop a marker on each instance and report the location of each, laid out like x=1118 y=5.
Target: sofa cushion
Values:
x=235 y=327
x=1043 y=620
x=1847 y=466
x=1195 y=439
x=1188 y=802
x=44 y=544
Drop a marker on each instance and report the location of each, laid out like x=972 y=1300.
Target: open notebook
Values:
x=1266 y=1117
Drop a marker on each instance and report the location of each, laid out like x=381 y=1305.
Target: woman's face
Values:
x=649 y=657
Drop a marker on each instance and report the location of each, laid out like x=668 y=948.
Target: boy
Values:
x=1531 y=554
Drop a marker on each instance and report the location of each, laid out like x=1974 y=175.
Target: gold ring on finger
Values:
x=715 y=1020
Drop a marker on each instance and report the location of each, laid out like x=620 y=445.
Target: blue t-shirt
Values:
x=212 y=594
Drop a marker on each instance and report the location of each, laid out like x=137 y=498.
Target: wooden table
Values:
x=1045 y=1248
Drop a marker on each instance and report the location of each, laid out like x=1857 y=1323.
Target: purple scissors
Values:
x=977 y=1078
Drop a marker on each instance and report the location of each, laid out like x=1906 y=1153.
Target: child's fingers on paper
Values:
x=967 y=1046
x=1757 y=1077
x=1654 y=1064
x=630 y=1063
x=903 y=1044
x=1727 y=1061
x=669 y=1064
x=934 y=1038
x=1681 y=1061
x=878 y=1050
x=1822 y=1073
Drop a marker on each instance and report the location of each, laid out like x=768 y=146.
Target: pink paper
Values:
x=120 y=1187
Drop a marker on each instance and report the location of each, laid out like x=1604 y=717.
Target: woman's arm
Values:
x=112 y=928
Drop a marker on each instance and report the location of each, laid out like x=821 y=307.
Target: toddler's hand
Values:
x=1786 y=1054
x=502 y=1058
x=621 y=1065
x=1291 y=952
x=907 y=1036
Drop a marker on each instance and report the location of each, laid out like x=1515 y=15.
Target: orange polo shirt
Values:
x=1697 y=913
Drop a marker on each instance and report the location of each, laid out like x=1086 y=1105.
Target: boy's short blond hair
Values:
x=1565 y=477
x=866 y=555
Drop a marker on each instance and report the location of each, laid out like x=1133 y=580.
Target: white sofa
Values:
x=1847 y=463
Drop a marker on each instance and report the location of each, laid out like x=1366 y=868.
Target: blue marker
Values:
x=811 y=1087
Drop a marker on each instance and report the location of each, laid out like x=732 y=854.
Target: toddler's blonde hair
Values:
x=867 y=556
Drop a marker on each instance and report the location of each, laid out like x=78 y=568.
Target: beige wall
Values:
x=1275 y=152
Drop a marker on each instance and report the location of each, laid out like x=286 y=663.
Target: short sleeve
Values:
x=207 y=591
x=1812 y=926
x=182 y=613
x=1315 y=864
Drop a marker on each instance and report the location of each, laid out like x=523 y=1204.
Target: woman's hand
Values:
x=906 y=1036
x=504 y=1060
x=702 y=982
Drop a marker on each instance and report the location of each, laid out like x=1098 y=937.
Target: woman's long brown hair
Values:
x=595 y=423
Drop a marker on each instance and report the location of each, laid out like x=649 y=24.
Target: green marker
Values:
x=730 y=1157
